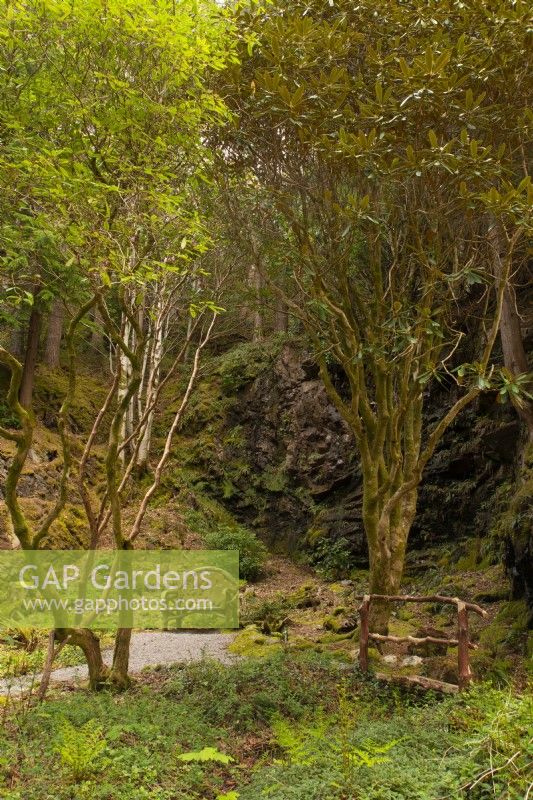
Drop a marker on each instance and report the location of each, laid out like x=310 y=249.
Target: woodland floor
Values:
x=277 y=709
x=290 y=607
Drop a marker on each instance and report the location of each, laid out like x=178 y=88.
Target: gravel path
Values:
x=148 y=649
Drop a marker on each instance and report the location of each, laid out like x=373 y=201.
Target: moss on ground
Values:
x=51 y=387
x=251 y=643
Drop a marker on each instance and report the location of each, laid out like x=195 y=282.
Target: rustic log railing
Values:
x=462 y=642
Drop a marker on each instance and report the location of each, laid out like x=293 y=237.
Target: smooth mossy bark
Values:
x=89 y=643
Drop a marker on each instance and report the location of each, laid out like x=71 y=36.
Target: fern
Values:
x=331 y=741
x=79 y=748
x=304 y=743
x=371 y=753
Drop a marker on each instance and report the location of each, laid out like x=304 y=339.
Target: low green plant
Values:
x=332 y=559
x=252 y=551
x=302 y=743
x=385 y=744
x=80 y=748
x=368 y=741
x=327 y=741
x=7 y=418
x=206 y=754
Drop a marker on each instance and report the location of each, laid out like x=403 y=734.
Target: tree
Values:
x=370 y=157
x=110 y=103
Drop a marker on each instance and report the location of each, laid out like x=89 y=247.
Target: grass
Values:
x=296 y=726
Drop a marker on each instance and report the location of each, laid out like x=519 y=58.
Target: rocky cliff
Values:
x=281 y=458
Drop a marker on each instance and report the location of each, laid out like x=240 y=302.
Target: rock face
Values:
x=516 y=529
x=294 y=474
x=303 y=465
x=299 y=431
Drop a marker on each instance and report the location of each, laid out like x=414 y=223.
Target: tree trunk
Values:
x=387 y=539
x=86 y=640
x=257 y=315
x=514 y=353
x=53 y=335
x=153 y=369
x=281 y=318
x=51 y=653
x=121 y=659
x=97 y=335
x=126 y=426
x=16 y=342
x=30 y=357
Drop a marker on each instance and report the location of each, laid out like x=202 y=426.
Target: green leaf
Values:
x=405 y=68
x=207 y=754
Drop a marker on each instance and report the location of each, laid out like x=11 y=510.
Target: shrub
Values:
x=332 y=558
x=252 y=551
x=243 y=364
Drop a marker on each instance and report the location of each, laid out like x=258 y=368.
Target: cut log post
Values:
x=462 y=635
x=363 y=634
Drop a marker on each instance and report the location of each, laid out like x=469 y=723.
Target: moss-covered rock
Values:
x=335 y=638
x=306 y=596
x=342 y=623
x=512 y=532
x=51 y=387
x=250 y=643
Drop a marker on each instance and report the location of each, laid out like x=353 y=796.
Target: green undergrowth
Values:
x=243 y=364
x=297 y=726
x=208 y=519
x=252 y=552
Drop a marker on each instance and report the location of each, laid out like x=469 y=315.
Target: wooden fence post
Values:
x=462 y=637
x=363 y=633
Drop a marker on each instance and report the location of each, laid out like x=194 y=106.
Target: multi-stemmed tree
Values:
x=366 y=129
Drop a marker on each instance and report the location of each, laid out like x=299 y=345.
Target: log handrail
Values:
x=415 y=640
x=462 y=641
x=434 y=598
